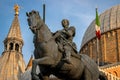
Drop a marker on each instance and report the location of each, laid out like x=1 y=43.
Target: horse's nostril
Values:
x=33 y=26
x=30 y=27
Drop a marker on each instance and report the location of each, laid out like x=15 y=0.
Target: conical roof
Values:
x=15 y=31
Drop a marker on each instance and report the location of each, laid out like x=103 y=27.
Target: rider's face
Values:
x=65 y=23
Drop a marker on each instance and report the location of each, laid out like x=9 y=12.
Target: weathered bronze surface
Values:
x=50 y=59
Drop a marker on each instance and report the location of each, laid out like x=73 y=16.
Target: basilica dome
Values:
x=110 y=20
x=109 y=51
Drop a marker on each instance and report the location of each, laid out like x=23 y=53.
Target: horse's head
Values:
x=33 y=20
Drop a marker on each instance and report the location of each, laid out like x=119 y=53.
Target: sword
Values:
x=69 y=43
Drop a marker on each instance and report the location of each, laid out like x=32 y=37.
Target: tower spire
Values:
x=12 y=64
x=16 y=8
x=14 y=34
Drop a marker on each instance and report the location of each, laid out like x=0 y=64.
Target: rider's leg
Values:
x=68 y=54
x=60 y=47
x=67 y=51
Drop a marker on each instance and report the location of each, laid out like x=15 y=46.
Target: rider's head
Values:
x=65 y=23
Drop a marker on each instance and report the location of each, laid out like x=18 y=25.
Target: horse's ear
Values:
x=27 y=14
x=37 y=12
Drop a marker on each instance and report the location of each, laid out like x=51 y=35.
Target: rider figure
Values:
x=64 y=39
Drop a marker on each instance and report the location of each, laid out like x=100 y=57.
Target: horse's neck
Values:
x=43 y=34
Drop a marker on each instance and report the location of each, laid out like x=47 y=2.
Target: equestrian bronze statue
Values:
x=51 y=59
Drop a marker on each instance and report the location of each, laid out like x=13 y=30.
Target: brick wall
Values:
x=109 y=47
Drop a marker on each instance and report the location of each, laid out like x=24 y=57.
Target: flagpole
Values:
x=98 y=51
x=98 y=36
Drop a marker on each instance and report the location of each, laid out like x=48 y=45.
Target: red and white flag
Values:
x=97 y=26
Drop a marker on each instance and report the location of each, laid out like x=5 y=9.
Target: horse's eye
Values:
x=30 y=13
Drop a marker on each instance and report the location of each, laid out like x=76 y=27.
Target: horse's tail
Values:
x=102 y=76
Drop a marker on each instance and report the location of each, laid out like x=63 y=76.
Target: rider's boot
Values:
x=67 y=58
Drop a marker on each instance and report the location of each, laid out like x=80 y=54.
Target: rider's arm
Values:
x=57 y=34
x=71 y=31
x=68 y=32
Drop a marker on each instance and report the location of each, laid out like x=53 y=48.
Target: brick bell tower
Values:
x=12 y=64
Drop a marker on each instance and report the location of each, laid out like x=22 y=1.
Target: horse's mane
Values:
x=43 y=27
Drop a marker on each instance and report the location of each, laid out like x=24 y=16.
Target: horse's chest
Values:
x=40 y=46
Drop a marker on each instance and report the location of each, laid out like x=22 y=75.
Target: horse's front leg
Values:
x=34 y=75
x=44 y=61
x=41 y=61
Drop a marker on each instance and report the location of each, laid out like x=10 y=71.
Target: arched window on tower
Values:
x=5 y=46
x=115 y=73
x=16 y=47
x=11 y=46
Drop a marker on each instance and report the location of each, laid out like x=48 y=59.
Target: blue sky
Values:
x=80 y=13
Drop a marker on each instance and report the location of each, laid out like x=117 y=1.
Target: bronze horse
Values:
x=49 y=58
